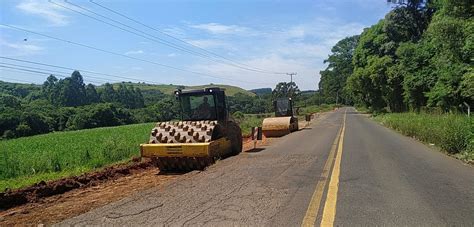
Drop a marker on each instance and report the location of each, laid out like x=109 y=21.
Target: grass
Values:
x=316 y=109
x=28 y=160
x=451 y=132
x=251 y=120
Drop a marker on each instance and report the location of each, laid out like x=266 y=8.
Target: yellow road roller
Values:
x=284 y=121
x=204 y=134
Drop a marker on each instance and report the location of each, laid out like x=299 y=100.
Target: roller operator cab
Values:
x=204 y=134
x=206 y=104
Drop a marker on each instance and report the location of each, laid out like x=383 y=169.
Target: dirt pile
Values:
x=34 y=193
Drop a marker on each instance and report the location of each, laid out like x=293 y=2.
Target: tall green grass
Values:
x=24 y=161
x=451 y=132
x=317 y=108
x=251 y=120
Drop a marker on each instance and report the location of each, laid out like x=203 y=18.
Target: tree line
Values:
x=72 y=92
x=69 y=104
x=420 y=55
x=64 y=104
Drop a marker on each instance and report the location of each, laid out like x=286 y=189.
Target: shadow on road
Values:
x=169 y=173
x=354 y=112
x=254 y=150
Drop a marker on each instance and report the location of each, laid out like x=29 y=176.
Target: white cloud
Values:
x=209 y=43
x=298 y=48
x=216 y=28
x=134 y=52
x=175 y=31
x=22 y=48
x=306 y=79
x=52 y=13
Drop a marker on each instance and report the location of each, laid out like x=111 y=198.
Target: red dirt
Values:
x=9 y=199
x=55 y=208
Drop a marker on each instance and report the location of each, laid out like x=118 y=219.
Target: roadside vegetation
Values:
x=28 y=160
x=451 y=132
x=317 y=108
x=419 y=55
x=247 y=121
x=413 y=70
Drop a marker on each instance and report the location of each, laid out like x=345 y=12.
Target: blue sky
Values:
x=275 y=36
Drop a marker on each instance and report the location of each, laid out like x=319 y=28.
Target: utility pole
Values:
x=291 y=76
x=291 y=80
x=468 y=109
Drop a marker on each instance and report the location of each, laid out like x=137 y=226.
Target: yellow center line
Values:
x=329 y=212
x=313 y=208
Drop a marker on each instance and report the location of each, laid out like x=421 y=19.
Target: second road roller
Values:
x=284 y=121
x=205 y=133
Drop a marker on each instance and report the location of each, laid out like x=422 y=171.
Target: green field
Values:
x=451 y=132
x=27 y=160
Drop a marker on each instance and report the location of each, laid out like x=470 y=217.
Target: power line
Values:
x=54 y=71
x=17 y=80
x=154 y=38
x=176 y=38
x=291 y=76
x=81 y=70
x=122 y=55
x=40 y=72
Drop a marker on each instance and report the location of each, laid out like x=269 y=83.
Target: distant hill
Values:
x=308 y=92
x=261 y=91
x=169 y=89
x=18 y=89
x=22 y=90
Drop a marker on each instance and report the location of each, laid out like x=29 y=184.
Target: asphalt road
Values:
x=344 y=169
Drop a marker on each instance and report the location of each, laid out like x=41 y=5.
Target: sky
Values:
x=247 y=43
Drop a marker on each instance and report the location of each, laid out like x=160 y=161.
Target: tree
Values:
x=91 y=94
x=108 y=94
x=285 y=89
x=71 y=91
x=50 y=89
x=419 y=54
x=334 y=77
x=467 y=87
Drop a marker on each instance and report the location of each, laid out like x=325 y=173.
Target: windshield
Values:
x=282 y=106
x=198 y=107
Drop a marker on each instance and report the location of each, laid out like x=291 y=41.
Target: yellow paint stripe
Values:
x=313 y=208
x=329 y=212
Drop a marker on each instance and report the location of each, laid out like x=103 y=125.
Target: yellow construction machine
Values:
x=284 y=121
x=205 y=133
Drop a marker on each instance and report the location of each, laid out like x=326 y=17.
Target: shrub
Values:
x=453 y=133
